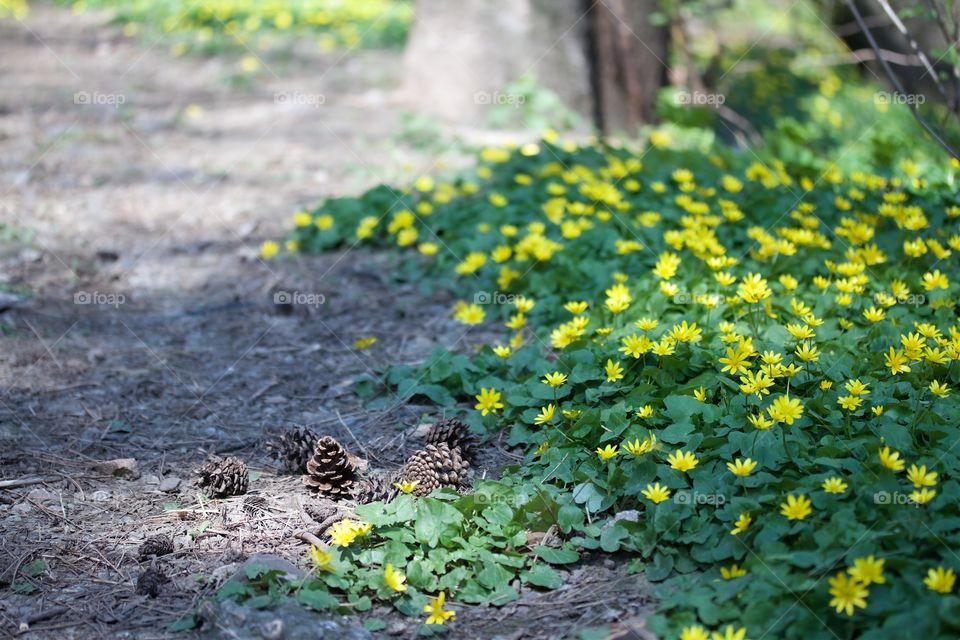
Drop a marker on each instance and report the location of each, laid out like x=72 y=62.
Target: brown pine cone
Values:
x=150 y=582
x=293 y=449
x=436 y=465
x=224 y=477
x=331 y=471
x=456 y=435
x=375 y=488
x=158 y=545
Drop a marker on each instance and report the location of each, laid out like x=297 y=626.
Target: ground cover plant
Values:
x=214 y=25
x=743 y=377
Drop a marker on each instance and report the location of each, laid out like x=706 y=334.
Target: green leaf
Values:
x=556 y=556
x=317 y=599
x=433 y=516
x=542 y=576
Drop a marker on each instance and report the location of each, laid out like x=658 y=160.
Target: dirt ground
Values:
x=138 y=321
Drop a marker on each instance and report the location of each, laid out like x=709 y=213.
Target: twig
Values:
x=24 y=482
x=306 y=536
x=357 y=442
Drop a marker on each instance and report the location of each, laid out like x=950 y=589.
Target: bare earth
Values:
x=138 y=322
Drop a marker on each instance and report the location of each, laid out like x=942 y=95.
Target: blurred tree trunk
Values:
x=629 y=62
x=603 y=59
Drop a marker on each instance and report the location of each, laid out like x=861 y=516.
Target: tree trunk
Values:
x=629 y=63
x=602 y=59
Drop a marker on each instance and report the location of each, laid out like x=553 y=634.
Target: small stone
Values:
x=40 y=495
x=396 y=629
x=100 y=496
x=21 y=508
x=121 y=467
x=169 y=485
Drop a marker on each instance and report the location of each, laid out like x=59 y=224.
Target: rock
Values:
x=169 y=485
x=396 y=629
x=22 y=508
x=269 y=562
x=40 y=495
x=100 y=496
x=120 y=468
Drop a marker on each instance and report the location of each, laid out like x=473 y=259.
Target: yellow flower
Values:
x=807 y=352
x=936 y=279
x=796 y=507
x=734 y=571
x=741 y=467
x=406 y=486
x=825 y=385
x=920 y=477
x=488 y=401
x=636 y=346
x=645 y=411
x=694 y=632
x=700 y=394
x=759 y=421
x=638 y=448
x=730 y=633
x=438 y=615
x=545 y=415
x=364 y=343
x=646 y=324
x=877 y=410
x=554 y=379
x=940 y=580
x=468 y=313
x=428 y=248
x=682 y=461
x=867 y=570
x=785 y=409
x=613 y=370
x=850 y=403
x=834 y=484
x=542 y=449
x=873 y=314
x=939 y=389
x=576 y=308
x=321 y=558
x=923 y=496
x=502 y=351
x=268 y=249
x=741 y=524
x=891 y=459
x=344 y=532
x=608 y=451
x=302 y=219
x=685 y=333
x=656 y=493
x=847 y=593
x=394 y=579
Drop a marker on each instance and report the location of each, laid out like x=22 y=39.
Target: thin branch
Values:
x=902 y=28
x=897 y=84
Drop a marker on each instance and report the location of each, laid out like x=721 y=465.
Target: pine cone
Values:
x=375 y=488
x=455 y=434
x=224 y=477
x=436 y=465
x=331 y=470
x=158 y=545
x=293 y=449
x=150 y=582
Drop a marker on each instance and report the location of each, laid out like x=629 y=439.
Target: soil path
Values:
x=138 y=321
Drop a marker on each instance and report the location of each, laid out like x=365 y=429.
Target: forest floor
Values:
x=138 y=322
